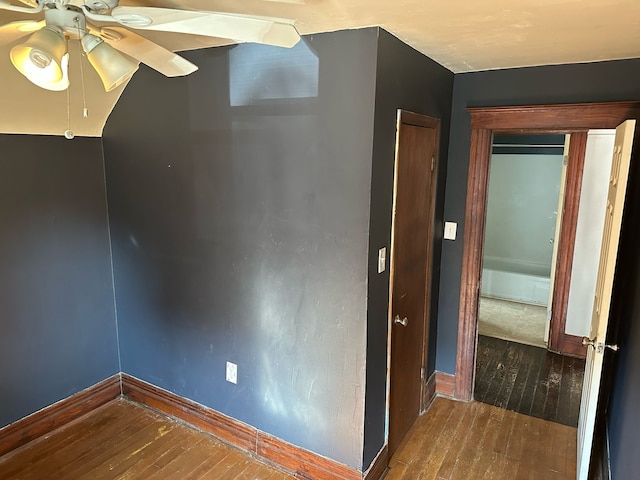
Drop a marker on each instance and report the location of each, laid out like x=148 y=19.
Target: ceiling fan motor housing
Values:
x=71 y=22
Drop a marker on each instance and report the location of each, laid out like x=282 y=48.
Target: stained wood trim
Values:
x=572 y=345
x=445 y=384
x=559 y=118
x=206 y=419
x=419 y=120
x=484 y=122
x=477 y=190
x=305 y=464
x=429 y=391
x=378 y=467
x=60 y=413
x=559 y=341
x=427 y=122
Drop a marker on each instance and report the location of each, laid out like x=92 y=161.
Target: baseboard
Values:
x=60 y=413
x=445 y=384
x=378 y=467
x=429 y=392
x=305 y=464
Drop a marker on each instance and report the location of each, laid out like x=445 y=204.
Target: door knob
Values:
x=402 y=322
x=598 y=346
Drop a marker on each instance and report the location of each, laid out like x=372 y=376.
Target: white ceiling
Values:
x=462 y=35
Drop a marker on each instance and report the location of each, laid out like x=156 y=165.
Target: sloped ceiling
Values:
x=462 y=35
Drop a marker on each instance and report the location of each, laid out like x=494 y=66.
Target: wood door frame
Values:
x=418 y=120
x=576 y=119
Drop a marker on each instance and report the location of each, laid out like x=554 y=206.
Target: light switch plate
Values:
x=232 y=372
x=450 y=229
x=382 y=259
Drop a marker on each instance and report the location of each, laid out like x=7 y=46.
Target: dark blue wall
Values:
x=620 y=390
x=57 y=321
x=622 y=415
x=408 y=80
x=239 y=208
x=594 y=82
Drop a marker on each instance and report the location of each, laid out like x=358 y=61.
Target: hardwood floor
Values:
x=462 y=441
x=529 y=380
x=123 y=440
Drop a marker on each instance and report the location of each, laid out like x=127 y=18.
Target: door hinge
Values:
x=422 y=373
x=433 y=162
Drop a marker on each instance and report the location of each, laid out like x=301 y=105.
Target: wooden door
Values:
x=602 y=299
x=410 y=268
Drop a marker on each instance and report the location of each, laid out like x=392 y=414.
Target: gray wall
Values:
x=405 y=79
x=239 y=209
x=521 y=205
x=57 y=321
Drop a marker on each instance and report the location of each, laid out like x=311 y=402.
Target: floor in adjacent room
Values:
x=513 y=321
x=529 y=380
x=462 y=441
x=123 y=440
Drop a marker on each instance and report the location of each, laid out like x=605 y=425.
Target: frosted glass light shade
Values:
x=40 y=58
x=63 y=84
x=112 y=67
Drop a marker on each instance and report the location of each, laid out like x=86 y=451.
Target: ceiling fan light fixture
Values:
x=40 y=57
x=63 y=83
x=113 y=68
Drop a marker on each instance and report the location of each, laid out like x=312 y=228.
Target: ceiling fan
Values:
x=103 y=29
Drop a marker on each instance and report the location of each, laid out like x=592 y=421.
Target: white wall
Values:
x=593 y=197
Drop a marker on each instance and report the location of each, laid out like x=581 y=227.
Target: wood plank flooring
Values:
x=462 y=441
x=529 y=380
x=123 y=440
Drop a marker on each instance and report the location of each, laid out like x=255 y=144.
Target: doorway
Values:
x=485 y=122
x=513 y=368
x=411 y=265
x=526 y=182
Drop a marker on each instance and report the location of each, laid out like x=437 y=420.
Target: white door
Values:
x=556 y=236
x=602 y=299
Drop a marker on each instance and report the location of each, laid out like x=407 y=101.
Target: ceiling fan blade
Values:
x=147 y=52
x=33 y=6
x=241 y=28
x=14 y=30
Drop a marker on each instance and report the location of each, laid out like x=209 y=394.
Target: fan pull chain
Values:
x=85 y=110
x=68 y=134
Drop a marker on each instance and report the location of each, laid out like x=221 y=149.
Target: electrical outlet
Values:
x=232 y=372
